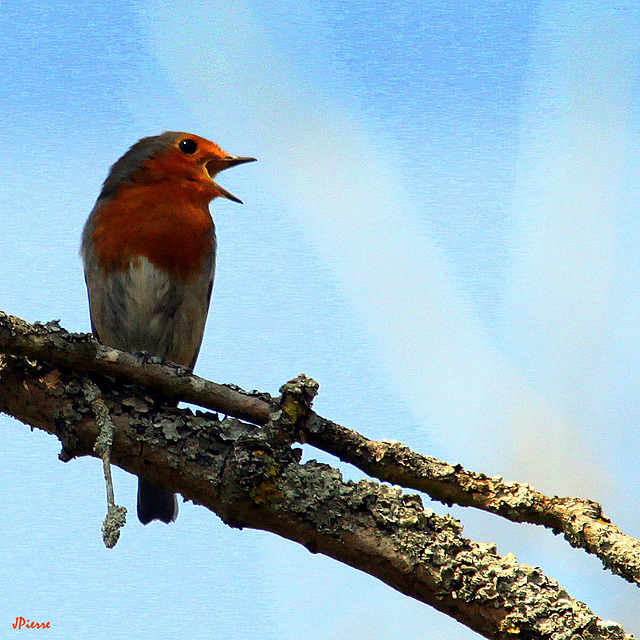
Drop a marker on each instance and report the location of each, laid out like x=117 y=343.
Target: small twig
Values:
x=116 y=515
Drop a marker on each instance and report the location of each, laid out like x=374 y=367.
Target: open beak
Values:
x=220 y=164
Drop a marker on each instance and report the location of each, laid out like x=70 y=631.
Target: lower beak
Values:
x=226 y=194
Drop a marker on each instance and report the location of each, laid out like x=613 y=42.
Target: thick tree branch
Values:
x=251 y=477
x=581 y=521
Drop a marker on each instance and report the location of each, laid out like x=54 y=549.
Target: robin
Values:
x=149 y=253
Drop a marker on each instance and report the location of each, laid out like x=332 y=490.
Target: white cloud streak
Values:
x=346 y=194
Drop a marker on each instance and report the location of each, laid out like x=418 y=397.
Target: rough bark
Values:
x=251 y=477
x=581 y=521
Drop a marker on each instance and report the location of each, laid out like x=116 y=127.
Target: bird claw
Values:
x=149 y=358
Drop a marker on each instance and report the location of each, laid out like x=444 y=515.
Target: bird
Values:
x=149 y=255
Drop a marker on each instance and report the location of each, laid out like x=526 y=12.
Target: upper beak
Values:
x=220 y=164
x=232 y=161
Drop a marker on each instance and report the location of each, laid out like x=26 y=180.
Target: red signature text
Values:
x=21 y=623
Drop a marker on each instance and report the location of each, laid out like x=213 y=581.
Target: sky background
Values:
x=442 y=229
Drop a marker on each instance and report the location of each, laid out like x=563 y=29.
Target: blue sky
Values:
x=441 y=229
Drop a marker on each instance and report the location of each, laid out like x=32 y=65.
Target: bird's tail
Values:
x=155 y=503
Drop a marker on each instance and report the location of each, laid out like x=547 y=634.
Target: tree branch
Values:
x=81 y=351
x=581 y=521
x=251 y=477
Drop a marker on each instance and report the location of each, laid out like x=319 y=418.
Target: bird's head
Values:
x=175 y=156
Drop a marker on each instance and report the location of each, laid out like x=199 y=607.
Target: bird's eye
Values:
x=188 y=146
